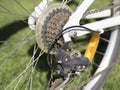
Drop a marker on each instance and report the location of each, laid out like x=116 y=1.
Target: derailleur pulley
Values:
x=70 y=60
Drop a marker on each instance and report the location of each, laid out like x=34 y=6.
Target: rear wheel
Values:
x=108 y=50
x=20 y=64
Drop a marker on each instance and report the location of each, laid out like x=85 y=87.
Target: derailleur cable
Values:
x=57 y=37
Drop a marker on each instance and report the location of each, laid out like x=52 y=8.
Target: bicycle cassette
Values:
x=50 y=24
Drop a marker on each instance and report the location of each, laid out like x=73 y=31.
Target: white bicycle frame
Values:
x=75 y=19
x=96 y=26
x=77 y=16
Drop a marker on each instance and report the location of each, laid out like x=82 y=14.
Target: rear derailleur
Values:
x=69 y=62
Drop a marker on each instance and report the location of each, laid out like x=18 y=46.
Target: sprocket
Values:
x=50 y=24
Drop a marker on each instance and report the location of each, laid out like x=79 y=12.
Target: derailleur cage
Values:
x=70 y=60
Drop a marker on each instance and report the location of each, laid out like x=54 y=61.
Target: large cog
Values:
x=50 y=24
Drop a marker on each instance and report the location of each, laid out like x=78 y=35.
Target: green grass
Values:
x=16 y=29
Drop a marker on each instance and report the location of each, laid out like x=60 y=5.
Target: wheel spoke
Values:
x=12 y=13
x=17 y=46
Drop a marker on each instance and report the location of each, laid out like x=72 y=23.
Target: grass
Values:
x=12 y=28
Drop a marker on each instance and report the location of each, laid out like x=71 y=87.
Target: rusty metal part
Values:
x=50 y=24
x=100 y=10
x=60 y=83
x=56 y=83
x=48 y=27
x=84 y=82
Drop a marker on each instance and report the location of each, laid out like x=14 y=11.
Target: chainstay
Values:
x=100 y=10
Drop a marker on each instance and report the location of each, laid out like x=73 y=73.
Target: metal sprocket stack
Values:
x=50 y=24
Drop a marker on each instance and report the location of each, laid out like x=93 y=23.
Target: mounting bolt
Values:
x=72 y=34
x=59 y=61
x=83 y=67
x=66 y=59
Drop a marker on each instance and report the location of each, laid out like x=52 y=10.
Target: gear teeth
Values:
x=50 y=24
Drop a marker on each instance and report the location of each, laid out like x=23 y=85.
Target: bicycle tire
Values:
x=96 y=85
x=113 y=57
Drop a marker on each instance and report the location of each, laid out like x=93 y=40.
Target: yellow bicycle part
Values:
x=92 y=46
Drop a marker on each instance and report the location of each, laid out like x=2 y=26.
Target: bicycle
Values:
x=63 y=59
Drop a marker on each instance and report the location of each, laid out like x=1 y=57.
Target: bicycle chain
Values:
x=107 y=68
x=48 y=34
x=58 y=13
